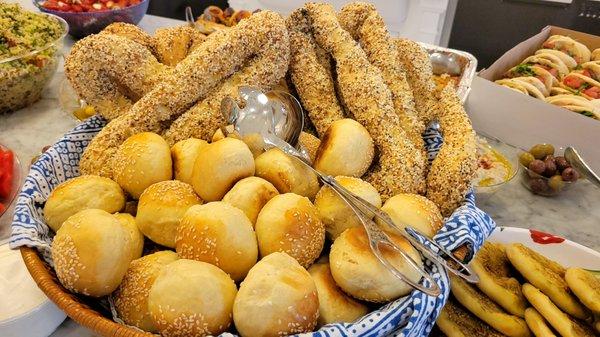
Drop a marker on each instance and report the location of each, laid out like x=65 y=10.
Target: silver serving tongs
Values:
x=262 y=115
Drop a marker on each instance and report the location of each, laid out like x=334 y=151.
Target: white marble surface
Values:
x=574 y=215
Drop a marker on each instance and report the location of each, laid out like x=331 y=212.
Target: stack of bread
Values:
x=563 y=72
x=232 y=231
x=522 y=293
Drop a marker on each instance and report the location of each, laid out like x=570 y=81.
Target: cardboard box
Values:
x=528 y=47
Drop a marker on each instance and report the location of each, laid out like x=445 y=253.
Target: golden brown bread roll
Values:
x=334 y=212
x=191 y=298
x=161 y=207
x=290 y=223
x=334 y=305
x=142 y=160
x=91 y=252
x=131 y=298
x=184 y=155
x=287 y=174
x=277 y=298
x=83 y=192
x=359 y=273
x=220 y=234
x=414 y=210
x=219 y=166
x=250 y=195
x=346 y=149
x=137 y=238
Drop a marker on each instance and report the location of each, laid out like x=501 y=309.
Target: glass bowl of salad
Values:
x=29 y=54
x=87 y=17
x=495 y=169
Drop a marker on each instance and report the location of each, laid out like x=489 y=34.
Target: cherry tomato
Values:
x=573 y=82
x=7 y=160
x=593 y=92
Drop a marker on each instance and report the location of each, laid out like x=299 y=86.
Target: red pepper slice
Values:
x=544 y=238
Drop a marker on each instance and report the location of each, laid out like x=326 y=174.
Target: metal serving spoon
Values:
x=263 y=115
x=573 y=157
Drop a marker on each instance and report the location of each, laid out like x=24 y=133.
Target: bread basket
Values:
x=412 y=315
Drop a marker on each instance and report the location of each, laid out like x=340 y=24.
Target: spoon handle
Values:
x=581 y=166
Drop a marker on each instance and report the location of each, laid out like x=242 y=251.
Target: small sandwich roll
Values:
x=191 y=298
x=569 y=99
x=250 y=195
x=524 y=70
x=566 y=58
x=219 y=166
x=91 y=252
x=555 y=91
x=219 y=234
x=83 y=192
x=184 y=154
x=161 y=207
x=549 y=61
x=290 y=223
x=334 y=305
x=277 y=298
x=522 y=86
x=336 y=215
x=560 y=321
x=414 y=210
x=596 y=55
x=536 y=82
x=142 y=160
x=358 y=272
x=344 y=139
x=575 y=49
x=131 y=298
x=582 y=84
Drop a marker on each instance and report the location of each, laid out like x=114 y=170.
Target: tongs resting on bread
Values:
x=278 y=119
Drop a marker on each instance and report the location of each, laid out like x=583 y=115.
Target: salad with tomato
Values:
x=87 y=5
x=7 y=165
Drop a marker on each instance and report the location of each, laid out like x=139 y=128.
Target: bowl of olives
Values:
x=545 y=172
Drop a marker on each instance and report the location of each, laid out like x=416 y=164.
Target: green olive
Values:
x=556 y=183
x=525 y=158
x=539 y=151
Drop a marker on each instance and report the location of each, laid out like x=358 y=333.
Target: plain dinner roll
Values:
x=142 y=160
x=250 y=195
x=91 y=252
x=161 y=207
x=277 y=298
x=346 y=149
x=334 y=305
x=414 y=210
x=137 y=238
x=131 y=298
x=220 y=234
x=184 y=155
x=287 y=174
x=83 y=192
x=334 y=212
x=191 y=298
x=359 y=273
x=290 y=223
x=219 y=166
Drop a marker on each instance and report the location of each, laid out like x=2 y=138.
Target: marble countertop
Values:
x=574 y=215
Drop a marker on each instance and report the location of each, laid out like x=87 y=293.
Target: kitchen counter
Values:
x=574 y=215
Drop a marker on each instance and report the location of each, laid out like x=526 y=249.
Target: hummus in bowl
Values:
x=495 y=169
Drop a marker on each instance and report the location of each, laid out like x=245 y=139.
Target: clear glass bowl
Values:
x=539 y=184
x=85 y=23
x=503 y=154
x=24 y=77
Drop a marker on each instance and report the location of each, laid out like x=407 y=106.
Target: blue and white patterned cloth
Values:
x=412 y=315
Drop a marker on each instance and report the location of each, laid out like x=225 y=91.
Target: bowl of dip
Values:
x=29 y=54
x=495 y=169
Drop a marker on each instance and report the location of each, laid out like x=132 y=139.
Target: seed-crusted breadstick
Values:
x=451 y=172
x=420 y=77
x=370 y=101
x=111 y=72
x=310 y=70
x=131 y=32
x=192 y=79
x=363 y=22
x=173 y=44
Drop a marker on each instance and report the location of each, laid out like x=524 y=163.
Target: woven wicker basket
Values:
x=69 y=303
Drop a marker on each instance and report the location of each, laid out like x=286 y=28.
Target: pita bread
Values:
x=567 y=60
x=535 y=82
x=550 y=61
x=522 y=85
x=578 y=51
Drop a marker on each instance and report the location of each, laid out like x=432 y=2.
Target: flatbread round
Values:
x=546 y=275
x=537 y=324
x=585 y=286
x=561 y=322
x=495 y=279
x=487 y=310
